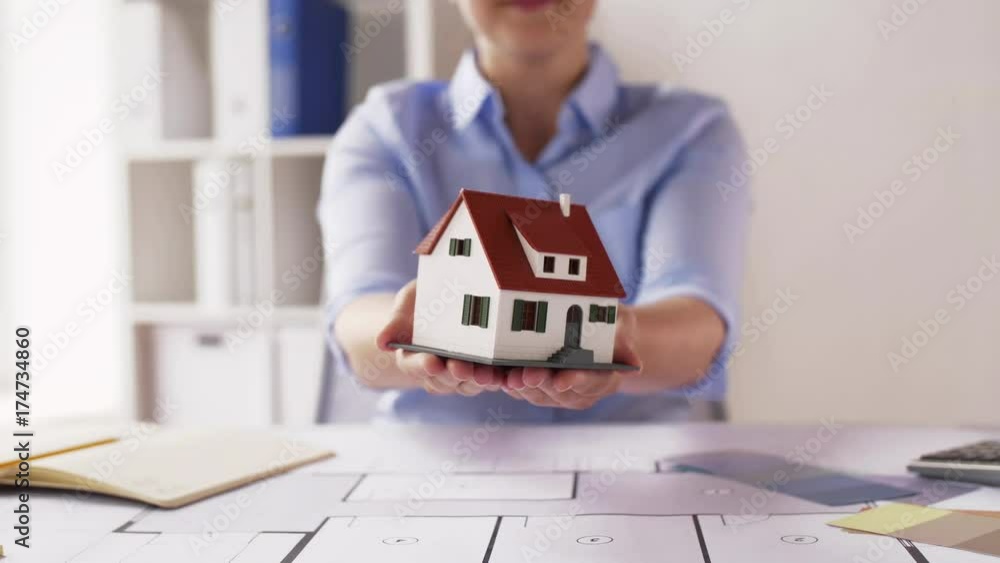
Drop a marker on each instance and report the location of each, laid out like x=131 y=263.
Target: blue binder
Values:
x=309 y=73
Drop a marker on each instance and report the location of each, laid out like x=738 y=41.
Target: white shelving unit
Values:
x=253 y=362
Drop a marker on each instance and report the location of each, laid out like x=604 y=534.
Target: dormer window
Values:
x=460 y=247
x=549 y=264
x=574 y=266
x=564 y=259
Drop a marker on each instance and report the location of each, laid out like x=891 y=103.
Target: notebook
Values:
x=46 y=441
x=169 y=468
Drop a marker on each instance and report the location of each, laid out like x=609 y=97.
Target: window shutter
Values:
x=468 y=247
x=466 y=310
x=452 y=246
x=484 y=311
x=593 y=313
x=517 y=321
x=543 y=309
x=611 y=314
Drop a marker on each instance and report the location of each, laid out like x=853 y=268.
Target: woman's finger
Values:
x=487 y=375
x=538 y=397
x=587 y=383
x=461 y=370
x=419 y=363
x=535 y=377
x=468 y=388
x=400 y=325
x=514 y=379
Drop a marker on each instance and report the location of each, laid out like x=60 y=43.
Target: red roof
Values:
x=542 y=224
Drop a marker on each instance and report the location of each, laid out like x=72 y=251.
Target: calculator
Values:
x=973 y=463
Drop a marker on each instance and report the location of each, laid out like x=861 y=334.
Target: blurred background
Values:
x=157 y=227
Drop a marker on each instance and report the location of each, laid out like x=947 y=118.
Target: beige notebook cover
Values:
x=45 y=441
x=171 y=468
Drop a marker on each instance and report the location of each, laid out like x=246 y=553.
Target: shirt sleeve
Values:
x=368 y=219
x=696 y=236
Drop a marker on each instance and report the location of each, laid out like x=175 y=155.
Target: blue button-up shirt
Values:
x=658 y=168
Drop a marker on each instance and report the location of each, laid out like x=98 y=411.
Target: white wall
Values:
x=6 y=208
x=530 y=345
x=442 y=281
x=67 y=227
x=855 y=298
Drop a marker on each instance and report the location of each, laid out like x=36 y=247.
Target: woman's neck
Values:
x=533 y=91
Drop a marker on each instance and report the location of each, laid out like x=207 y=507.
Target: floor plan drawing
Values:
x=421 y=502
x=306 y=517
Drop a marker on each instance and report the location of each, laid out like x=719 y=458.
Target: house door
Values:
x=574 y=324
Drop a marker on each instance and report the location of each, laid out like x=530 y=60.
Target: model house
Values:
x=515 y=281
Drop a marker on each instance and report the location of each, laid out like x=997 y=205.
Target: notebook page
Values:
x=170 y=468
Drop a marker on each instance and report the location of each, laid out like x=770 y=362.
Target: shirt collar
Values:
x=468 y=91
x=594 y=97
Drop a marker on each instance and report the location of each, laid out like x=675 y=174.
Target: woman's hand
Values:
x=436 y=375
x=577 y=389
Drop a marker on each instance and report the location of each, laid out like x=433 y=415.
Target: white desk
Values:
x=503 y=494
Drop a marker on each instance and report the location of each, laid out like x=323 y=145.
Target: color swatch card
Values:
x=816 y=484
x=946 y=528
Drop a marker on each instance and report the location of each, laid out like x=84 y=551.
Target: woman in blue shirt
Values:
x=533 y=111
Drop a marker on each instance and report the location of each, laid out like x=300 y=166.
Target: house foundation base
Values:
x=512 y=363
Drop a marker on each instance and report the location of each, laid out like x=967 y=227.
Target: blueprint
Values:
x=419 y=503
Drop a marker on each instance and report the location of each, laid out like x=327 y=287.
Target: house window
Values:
x=549 y=264
x=574 y=266
x=600 y=314
x=460 y=247
x=529 y=315
x=476 y=311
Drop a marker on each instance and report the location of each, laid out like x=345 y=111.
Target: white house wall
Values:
x=530 y=345
x=442 y=281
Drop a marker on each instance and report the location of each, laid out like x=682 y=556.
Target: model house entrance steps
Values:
x=572 y=355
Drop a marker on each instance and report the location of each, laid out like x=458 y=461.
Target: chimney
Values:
x=564 y=203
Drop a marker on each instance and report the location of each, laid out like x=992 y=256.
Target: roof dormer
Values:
x=550 y=245
x=554 y=265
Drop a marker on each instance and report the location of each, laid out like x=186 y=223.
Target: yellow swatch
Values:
x=890 y=518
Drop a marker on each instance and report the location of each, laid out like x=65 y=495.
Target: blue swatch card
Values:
x=809 y=482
